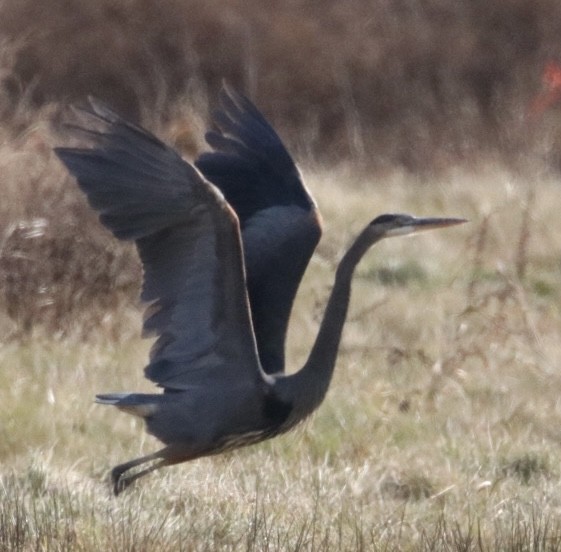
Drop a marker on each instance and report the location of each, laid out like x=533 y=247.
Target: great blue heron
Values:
x=223 y=247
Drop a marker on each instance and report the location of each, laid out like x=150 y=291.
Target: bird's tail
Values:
x=137 y=404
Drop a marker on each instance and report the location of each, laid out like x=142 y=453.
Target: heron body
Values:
x=224 y=245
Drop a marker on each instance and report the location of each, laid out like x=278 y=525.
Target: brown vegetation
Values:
x=418 y=84
x=381 y=84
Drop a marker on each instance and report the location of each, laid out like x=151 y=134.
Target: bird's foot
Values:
x=119 y=483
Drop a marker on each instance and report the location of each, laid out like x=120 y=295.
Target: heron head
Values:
x=388 y=225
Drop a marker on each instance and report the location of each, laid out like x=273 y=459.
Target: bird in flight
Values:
x=224 y=244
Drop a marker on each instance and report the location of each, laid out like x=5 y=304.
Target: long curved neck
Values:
x=312 y=381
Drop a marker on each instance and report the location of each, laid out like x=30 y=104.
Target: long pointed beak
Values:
x=429 y=223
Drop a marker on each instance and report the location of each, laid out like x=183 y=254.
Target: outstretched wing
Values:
x=188 y=239
x=278 y=217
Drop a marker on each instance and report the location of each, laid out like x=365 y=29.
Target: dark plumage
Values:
x=224 y=247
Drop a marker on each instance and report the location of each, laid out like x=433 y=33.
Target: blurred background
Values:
x=418 y=88
x=419 y=84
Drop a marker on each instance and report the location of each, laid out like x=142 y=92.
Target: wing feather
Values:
x=188 y=239
x=278 y=217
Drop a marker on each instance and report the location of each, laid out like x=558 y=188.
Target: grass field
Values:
x=441 y=430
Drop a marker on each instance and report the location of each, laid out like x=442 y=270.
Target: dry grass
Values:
x=440 y=431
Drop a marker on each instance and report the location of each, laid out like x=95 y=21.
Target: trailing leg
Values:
x=121 y=481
